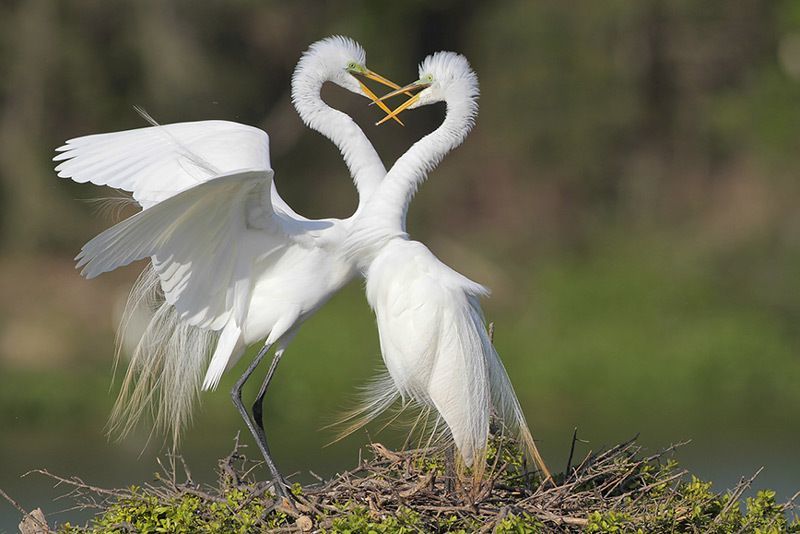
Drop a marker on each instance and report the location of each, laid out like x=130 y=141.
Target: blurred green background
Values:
x=630 y=194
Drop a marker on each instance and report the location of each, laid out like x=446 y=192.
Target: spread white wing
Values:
x=156 y=162
x=203 y=241
x=211 y=211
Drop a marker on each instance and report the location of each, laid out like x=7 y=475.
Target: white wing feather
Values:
x=156 y=162
x=203 y=241
x=208 y=222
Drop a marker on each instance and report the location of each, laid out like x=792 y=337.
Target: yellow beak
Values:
x=407 y=90
x=376 y=100
x=410 y=87
x=372 y=75
x=400 y=108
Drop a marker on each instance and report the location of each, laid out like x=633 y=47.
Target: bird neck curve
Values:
x=389 y=205
x=383 y=218
x=363 y=162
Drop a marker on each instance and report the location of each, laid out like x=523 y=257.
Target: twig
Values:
x=741 y=487
x=78 y=483
x=24 y=513
x=571 y=452
x=13 y=503
x=618 y=479
x=560 y=519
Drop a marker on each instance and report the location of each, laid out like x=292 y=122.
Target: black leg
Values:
x=258 y=405
x=258 y=411
x=450 y=469
x=258 y=434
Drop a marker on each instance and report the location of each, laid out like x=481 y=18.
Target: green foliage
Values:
x=608 y=522
x=359 y=519
x=764 y=515
x=697 y=509
x=619 y=493
x=147 y=512
x=429 y=464
x=522 y=524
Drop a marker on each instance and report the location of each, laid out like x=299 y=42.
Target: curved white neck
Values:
x=362 y=160
x=389 y=205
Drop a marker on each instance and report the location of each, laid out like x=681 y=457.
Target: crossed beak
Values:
x=375 y=100
x=407 y=90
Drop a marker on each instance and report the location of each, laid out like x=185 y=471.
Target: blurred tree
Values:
x=27 y=189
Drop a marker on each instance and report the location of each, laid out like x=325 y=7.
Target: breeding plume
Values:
x=433 y=337
x=232 y=263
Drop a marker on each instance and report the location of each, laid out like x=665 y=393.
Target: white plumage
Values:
x=232 y=263
x=156 y=163
x=428 y=334
x=432 y=331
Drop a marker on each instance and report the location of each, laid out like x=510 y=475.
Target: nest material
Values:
x=615 y=490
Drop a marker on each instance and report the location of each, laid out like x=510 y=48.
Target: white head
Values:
x=336 y=59
x=339 y=60
x=448 y=76
x=443 y=77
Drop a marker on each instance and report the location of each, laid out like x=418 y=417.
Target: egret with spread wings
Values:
x=232 y=263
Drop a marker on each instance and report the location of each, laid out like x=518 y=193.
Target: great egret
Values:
x=433 y=337
x=230 y=256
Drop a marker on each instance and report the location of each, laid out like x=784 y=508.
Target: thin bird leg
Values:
x=236 y=394
x=258 y=405
x=450 y=468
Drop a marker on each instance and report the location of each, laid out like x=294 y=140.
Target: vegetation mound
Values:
x=615 y=490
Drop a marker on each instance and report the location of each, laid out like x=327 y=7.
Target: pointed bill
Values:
x=407 y=90
x=399 y=109
x=372 y=75
x=380 y=104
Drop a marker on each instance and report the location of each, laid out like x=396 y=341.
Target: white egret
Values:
x=234 y=263
x=433 y=337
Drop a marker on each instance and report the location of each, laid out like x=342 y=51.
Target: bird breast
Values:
x=409 y=293
x=296 y=283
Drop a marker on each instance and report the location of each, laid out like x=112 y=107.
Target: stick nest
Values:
x=615 y=490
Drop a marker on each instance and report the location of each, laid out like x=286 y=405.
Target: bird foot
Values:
x=284 y=498
x=282 y=488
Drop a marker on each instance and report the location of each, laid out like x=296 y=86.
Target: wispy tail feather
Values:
x=507 y=407
x=181 y=149
x=111 y=207
x=166 y=368
x=375 y=397
x=489 y=393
